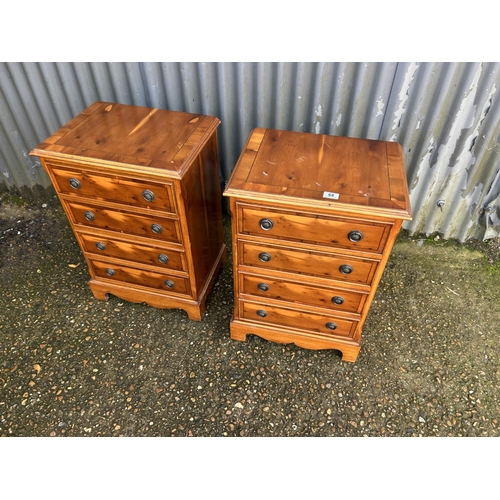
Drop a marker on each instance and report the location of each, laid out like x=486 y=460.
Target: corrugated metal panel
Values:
x=445 y=115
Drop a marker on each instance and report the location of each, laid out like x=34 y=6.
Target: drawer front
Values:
x=317 y=323
x=339 y=267
x=279 y=289
x=115 y=220
x=143 y=194
x=332 y=231
x=172 y=284
x=163 y=258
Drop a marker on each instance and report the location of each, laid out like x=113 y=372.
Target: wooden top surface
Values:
x=133 y=135
x=321 y=170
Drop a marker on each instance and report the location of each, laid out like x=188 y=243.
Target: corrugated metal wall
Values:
x=445 y=115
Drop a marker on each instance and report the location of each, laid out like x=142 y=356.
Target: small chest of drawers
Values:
x=314 y=219
x=141 y=189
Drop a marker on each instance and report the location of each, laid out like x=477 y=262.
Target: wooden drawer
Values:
x=119 y=190
x=292 y=291
x=312 y=263
x=310 y=228
x=296 y=319
x=172 y=284
x=125 y=222
x=107 y=247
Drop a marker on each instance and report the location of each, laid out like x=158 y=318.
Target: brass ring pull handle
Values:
x=163 y=258
x=345 y=269
x=264 y=257
x=75 y=183
x=266 y=224
x=355 y=236
x=148 y=195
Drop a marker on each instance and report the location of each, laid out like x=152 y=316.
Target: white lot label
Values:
x=331 y=196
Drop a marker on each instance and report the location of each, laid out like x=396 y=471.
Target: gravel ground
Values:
x=71 y=365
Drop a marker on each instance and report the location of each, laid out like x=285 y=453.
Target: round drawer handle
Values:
x=266 y=224
x=148 y=195
x=156 y=228
x=163 y=258
x=264 y=257
x=263 y=287
x=338 y=300
x=345 y=269
x=110 y=272
x=75 y=183
x=100 y=246
x=169 y=283
x=89 y=216
x=261 y=313
x=331 y=325
x=355 y=236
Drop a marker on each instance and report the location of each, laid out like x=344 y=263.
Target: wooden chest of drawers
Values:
x=314 y=219
x=141 y=190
